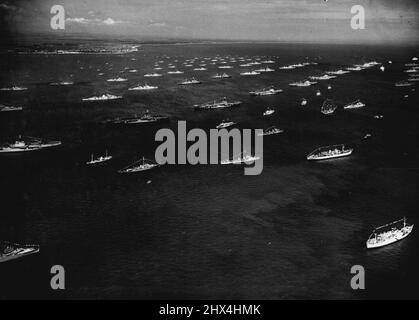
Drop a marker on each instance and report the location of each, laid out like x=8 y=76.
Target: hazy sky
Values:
x=278 y=20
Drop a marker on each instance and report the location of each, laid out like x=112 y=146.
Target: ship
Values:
x=354 y=68
x=270 y=131
x=268 y=61
x=190 y=81
x=139 y=166
x=4 y=108
x=338 y=72
x=28 y=144
x=403 y=84
x=266 y=69
x=241 y=158
x=225 y=124
x=14 y=88
x=152 y=75
x=249 y=73
x=328 y=107
x=175 y=72
x=221 y=76
x=102 y=97
x=324 y=77
x=117 y=80
x=380 y=238
x=302 y=83
x=99 y=160
x=217 y=104
x=329 y=152
x=143 y=88
x=355 y=105
x=10 y=251
x=145 y=118
x=266 y=92
x=63 y=83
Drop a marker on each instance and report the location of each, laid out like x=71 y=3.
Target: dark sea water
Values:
x=209 y=231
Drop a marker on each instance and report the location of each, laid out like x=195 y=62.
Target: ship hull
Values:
x=345 y=154
x=17 y=256
x=373 y=245
x=37 y=148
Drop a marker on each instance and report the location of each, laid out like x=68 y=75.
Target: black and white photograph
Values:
x=209 y=150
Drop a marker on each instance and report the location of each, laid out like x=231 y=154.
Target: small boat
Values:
x=318 y=93
x=247 y=158
x=287 y=67
x=221 y=76
x=382 y=68
x=355 y=105
x=268 y=61
x=139 y=166
x=367 y=136
x=10 y=251
x=32 y=144
x=329 y=152
x=225 y=124
x=200 y=69
x=380 y=239
x=102 y=97
x=175 y=72
x=270 y=131
x=304 y=102
x=329 y=87
x=269 y=111
x=190 y=81
x=143 y=88
x=99 y=160
x=266 y=92
x=4 y=108
x=328 y=107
